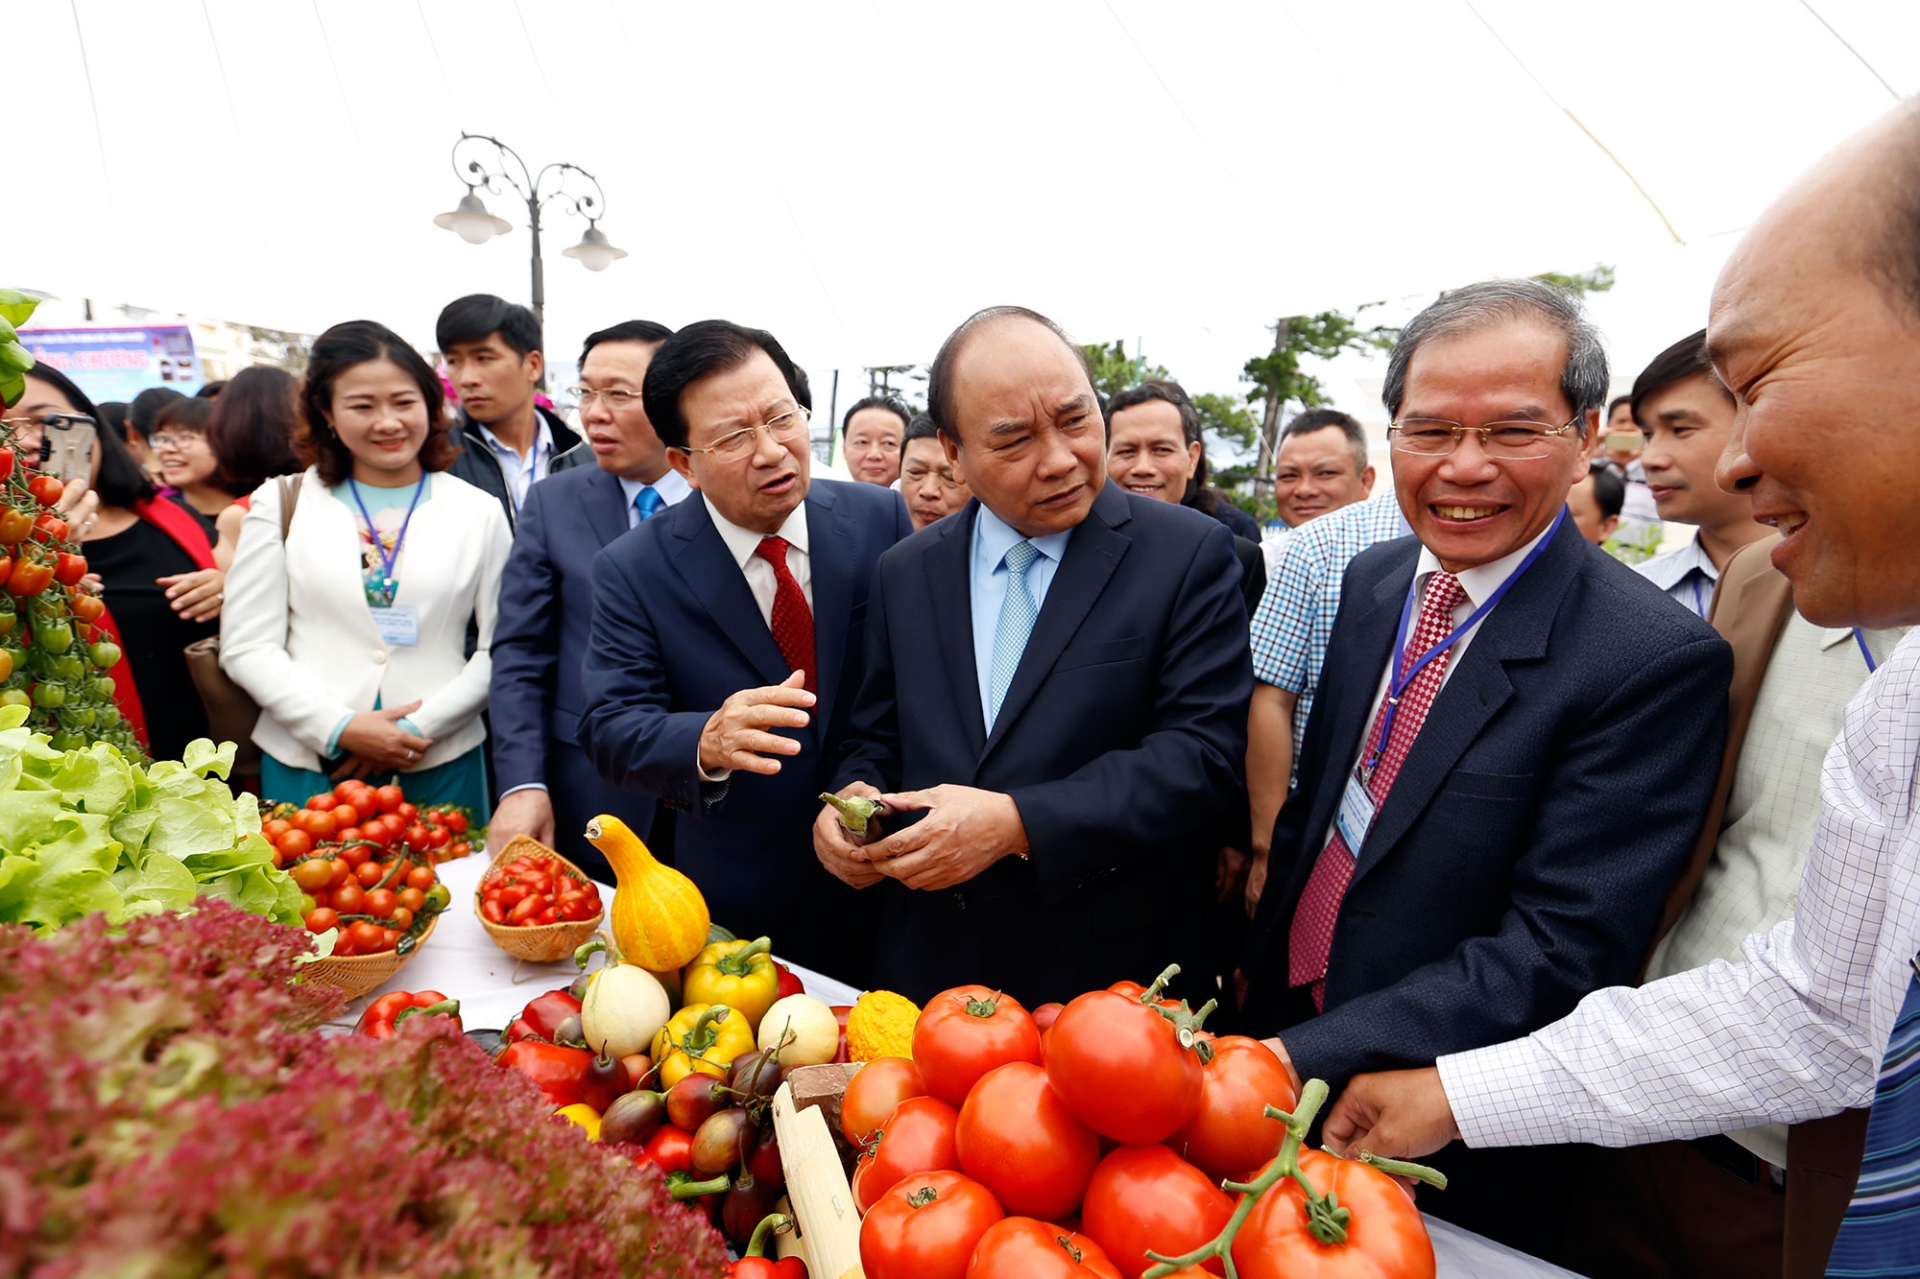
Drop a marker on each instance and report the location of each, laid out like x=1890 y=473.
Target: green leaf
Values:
x=204 y=758
x=17 y=307
x=15 y=357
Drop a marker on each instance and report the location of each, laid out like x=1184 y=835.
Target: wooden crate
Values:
x=806 y=1116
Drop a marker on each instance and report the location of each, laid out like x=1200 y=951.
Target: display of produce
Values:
x=660 y=920
x=364 y=857
x=881 y=1025
x=384 y=1015
x=88 y=830
x=535 y=890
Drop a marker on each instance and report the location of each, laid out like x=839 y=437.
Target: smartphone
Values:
x=66 y=445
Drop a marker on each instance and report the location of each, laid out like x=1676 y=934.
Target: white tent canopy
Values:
x=858 y=178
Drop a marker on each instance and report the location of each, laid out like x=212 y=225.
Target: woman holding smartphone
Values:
x=350 y=632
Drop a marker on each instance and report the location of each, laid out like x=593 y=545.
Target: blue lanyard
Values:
x=1398 y=684
x=388 y=558
x=1865 y=652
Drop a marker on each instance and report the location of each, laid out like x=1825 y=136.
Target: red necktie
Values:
x=792 y=619
x=1310 y=941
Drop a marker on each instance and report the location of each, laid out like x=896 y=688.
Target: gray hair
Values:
x=1584 y=379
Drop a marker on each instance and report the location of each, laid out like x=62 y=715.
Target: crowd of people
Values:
x=1514 y=843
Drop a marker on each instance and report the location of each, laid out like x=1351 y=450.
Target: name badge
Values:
x=397 y=626
x=1355 y=817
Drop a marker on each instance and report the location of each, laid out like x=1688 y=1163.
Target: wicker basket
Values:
x=539 y=943
x=358 y=974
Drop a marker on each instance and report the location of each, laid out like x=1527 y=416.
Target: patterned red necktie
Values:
x=792 y=619
x=1310 y=941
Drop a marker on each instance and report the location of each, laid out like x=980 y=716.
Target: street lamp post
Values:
x=486 y=168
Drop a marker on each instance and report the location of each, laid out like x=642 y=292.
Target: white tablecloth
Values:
x=492 y=986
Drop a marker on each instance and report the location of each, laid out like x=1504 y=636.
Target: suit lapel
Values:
x=1475 y=691
x=949 y=586
x=1093 y=552
x=606 y=506
x=832 y=549
x=710 y=572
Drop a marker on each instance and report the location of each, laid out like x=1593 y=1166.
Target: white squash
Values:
x=803 y=1030
x=624 y=1009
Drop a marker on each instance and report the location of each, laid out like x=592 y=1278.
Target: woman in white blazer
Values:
x=351 y=634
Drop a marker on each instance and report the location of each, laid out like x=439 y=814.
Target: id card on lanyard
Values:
x=396 y=626
x=1357 y=806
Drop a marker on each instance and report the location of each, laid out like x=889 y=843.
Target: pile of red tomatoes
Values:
x=535 y=889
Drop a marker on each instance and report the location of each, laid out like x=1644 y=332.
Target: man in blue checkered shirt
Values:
x=1290 y=634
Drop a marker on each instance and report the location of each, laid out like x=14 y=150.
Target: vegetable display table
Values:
x=491 y=985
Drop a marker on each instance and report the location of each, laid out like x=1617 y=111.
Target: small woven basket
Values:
x=539 y=943
x=358 y=974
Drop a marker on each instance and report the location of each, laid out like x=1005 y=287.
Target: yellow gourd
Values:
x=660 y=920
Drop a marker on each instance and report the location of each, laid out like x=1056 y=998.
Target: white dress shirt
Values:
x=672 y=488
x=1687 y=574
x=1794 y=1031
x=759 y=574
x=520 y=472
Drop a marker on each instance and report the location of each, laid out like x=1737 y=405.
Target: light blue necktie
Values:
x=647 y=503
x=1017 y=612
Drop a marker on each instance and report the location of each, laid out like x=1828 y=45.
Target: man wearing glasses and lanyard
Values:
x=726 y=641
x=1490 y=810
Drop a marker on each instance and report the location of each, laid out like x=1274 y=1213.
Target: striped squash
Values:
x=659 y=918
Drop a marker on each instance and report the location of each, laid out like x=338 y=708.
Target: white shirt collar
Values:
x=1482 y=580
x=744 y=542
x=1669 y=570
x=542 y=440
x=672 y=487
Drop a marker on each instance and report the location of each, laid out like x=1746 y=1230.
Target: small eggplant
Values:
x=633 y=1118
x=695 y=1099
x=747 y=1204
x=605 y=1082
x=722 y=1142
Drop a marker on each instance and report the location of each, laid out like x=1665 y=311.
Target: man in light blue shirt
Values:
x=993 y=537
x=507 y=441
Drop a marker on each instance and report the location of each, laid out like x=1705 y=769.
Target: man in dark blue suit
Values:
x=1476 y=843
x=547 y=787
x=726 y=640
x=1055 y=698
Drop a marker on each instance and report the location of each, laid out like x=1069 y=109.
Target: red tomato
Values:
x=345 y=789
x=342 y=873
x=917 y=1137
x=46 y=489
x=349 y=898
x=53 y=526
x=87 y=607
x=967 y=1031
x=274 y=829
x=1022 y=1248
x=1118 y=1065
x=419 y=837
x=294 y=843
x=389 y=798
x=345 y=815
x=356 y=856
x=412 y=898
x=877 y=1088
x=422 y=877
x=321 y=918
x=368 y=938
x=28 y=577
x=863 y=1192
x=315 y=823
x=406 y=812
x=456 y=822
x=437 y=837
x=1017 y=1139
x=491 y=912
x=381 y=901
x=926 y=1228
x=1045 y=1015
x=671 y=1148
x=68 y=569
x=1145 y=1197
x=1230 y=1133
x=524 y=911
x=1385 y=1235
x=579 y=909
x=369 y=873
x=324 y=802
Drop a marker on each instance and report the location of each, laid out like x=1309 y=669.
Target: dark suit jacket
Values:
x=1122 y=740
x=476 y=464
x=538 y=646
x=675 y=633
x=1522 y=856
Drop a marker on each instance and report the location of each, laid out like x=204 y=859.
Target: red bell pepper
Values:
x=755 y=1264
x=560 y=1072
x=789 y=984
x=542 y=1016
x=388 y=1011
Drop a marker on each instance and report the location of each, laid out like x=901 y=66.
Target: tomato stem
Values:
x=1152 y=993
x=773 y=1223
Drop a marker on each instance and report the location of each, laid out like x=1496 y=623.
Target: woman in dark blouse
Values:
x=134 y=541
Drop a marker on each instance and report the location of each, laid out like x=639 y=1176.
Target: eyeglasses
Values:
x=1516 y=439
x=613 y=399
x=782 y=428
x=916 y=475
x=176 y=443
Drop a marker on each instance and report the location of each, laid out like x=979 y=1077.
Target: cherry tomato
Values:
x=294 y=843
x=916 y=1137
x=368 y=938
x=524 y=911
x=317 y=824
x=1230 y=1132
x=926 y=1227
x=1022 y=1248
x=369 y=873
x=68 y=568
x=325 y=802
x=46 y=489
x=579 y=909
x=15 y=524
x=422 y=878
x=402 y=917
x=53 y=526
x=1119 y=1065
x=274 y=829
x=381 y=902
x=345 y=789
x=87 y=608
x=1017 y=1139
x=356 y=855
x=418 y=836
x=312 y=876
x=1385 y=1234
x=28 y=577
x=406 y=812
x=966 y=1032
x=345 y=814
x=437 y=837
x=459 y=850
x=456 y=822
x=551 y=915
x=671 y=1148
x=350 y=899
x=322 y=918
x=491 y=912
x=342 y=874
x=389 y=798
x=875 y=1090
x=1145 y=1197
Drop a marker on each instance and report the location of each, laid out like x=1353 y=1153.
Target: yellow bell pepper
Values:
x=703 y=1038
x=581 y=1115
x=739 y=974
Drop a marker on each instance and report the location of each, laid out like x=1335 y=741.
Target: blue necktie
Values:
x=1017 y=612
x=646 y=504
x=1881 y=1232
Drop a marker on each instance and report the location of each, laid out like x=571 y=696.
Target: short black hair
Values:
x=921 y=428
x=1609 y=490
x=940 y=374
x=1684 y=359
x=113 y=416
x=478 y=316
x=891 y=403
x=211 y=391
x=120 y=482
x=334 y=352
x=146 y=406
x=625 y=331
x=701 y=350
x=1616 y=402
x=1165 y=391
x=192 y=415
x=1319 y=420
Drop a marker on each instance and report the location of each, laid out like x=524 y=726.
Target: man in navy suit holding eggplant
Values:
x=726 y=641
x=1054 y=708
